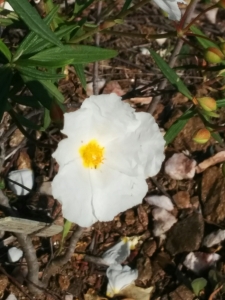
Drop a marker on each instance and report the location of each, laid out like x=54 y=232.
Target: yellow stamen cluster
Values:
x=92 y=154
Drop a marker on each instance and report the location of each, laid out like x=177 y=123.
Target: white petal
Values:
x=72 y=187
x=119 y=277
x=118 y=253
x=24 y=177
x=160 y=201
x=103 y=117
x=151 y=144
x=171 y=7
x=67 y=151
x=115 y=192
x=11 y=297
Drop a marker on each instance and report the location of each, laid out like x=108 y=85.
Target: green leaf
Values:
x=27 y=123
x=126 y=5
x=41 y=44
x=198 y=285
x=217 y=137
x=79 y=69
x=204 y=42
x=79 y=54
x=220 y=103
x=5 y=50
x=66 y=229
x=44 y=91
x=38 y=75
x=47 y=119
x=178 y=126
x=33 y=20
x=26 y=100
x=171 y=75
x=81 y=5
x=2 y=184
x=32 y=39
x=6 y=76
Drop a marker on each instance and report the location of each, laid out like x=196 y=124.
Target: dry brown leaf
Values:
x=217 y=158
x=23 y=161
x=16 y=138
x=136 y=293
x=113 y=87
x=91 y=295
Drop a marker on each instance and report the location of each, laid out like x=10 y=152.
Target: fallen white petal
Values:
x=14 y=254
x=7 y=6
x=180 y=167
x=118 y=253
x=211 y=15
x=24 y=177
x=163 y=221
x=119 y=277
x=200 y=261
x=214 y=238
x=144 y=51
x=160 y=201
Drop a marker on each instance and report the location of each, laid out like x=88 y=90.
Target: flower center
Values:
x=92 y=154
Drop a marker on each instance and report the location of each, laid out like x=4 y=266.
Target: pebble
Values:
x=14 y=254
x=186 y=235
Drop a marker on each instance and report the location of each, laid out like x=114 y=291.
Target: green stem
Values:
x=198 y=17
x=139 y=35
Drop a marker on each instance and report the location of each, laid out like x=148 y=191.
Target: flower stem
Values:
x=198 y=17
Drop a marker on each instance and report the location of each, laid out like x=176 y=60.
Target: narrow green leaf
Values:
x=198 y=285
x=41 y=44
x=81 y=5
x=6 y=76
x=32 y=39
x=47 y=119
x=5 y=50
x=44 y=91
x=27 y=123
x=171 y=75
x=79 y=69
x=66 y=229
x=178 y=126
x=217 y=137
x=220 y=103
x=26 y=100
x=80 y=54
x=38 y=75
x=33 y=20
x=126 y=5
x=205 y=43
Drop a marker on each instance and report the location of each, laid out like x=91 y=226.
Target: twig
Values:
x=173 y=58
x=97 y=40
x=15 y=283
x=211 y=297
x=61 y=260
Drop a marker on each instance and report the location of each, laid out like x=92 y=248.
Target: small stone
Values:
x=129 y=217
x=64 y=282
x=182 y=199
x=182 y=292
x=186 y=235
x=14 y=254
x=149 y=247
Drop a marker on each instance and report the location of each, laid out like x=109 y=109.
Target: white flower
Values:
x=103 y=164
x=119 y=277
x=171 y=7
x=118 y=253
